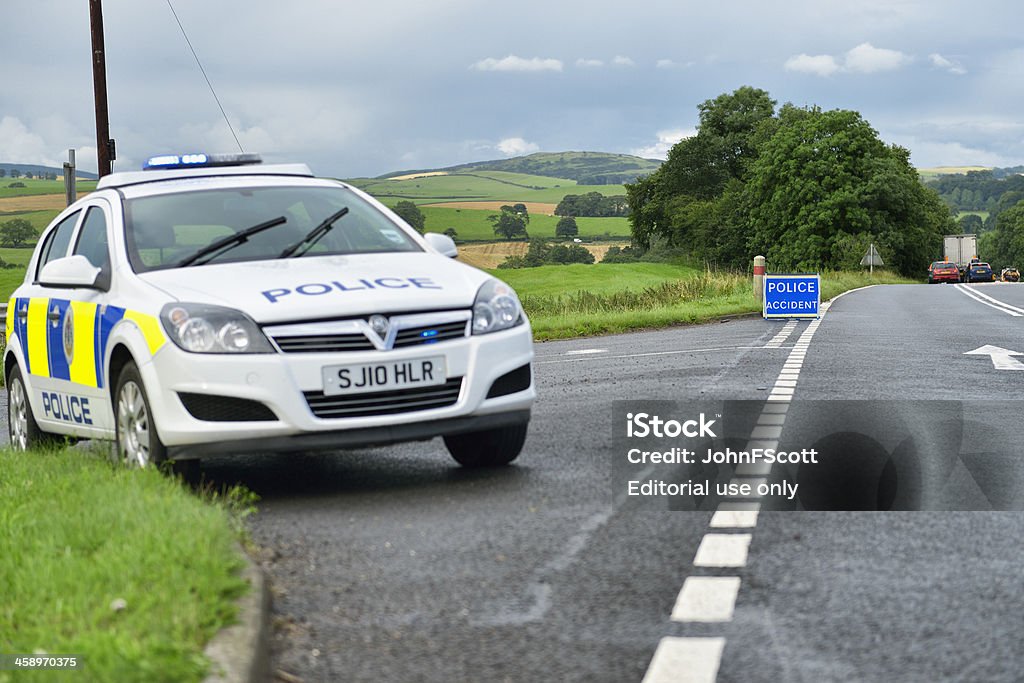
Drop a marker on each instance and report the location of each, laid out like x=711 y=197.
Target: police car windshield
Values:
x=166 y=230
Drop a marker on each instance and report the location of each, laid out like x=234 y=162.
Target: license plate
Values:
x=389 y=376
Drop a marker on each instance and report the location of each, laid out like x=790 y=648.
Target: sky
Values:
x=365 y=88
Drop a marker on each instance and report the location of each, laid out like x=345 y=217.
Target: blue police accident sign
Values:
x=792 y=296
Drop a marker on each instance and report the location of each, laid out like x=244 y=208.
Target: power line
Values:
x=214 y=92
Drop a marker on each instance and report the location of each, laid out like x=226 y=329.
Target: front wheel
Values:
x=138 y=444
x=21 y=424
x=488 y=448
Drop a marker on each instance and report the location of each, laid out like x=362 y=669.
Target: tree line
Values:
x=810 y=189
x=977 y=190
x=593 y=205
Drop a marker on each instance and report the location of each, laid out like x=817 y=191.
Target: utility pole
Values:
x=104 y=145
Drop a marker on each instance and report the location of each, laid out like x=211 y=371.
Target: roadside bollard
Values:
x=758 y=277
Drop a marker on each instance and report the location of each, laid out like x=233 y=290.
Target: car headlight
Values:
x=496 y=308
x=201 y=328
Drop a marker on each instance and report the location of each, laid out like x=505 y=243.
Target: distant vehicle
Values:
x=943 y=271
x=1010 y=274
x=980 y=272
x=960 y=249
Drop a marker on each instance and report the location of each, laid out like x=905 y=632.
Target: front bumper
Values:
x=282 y=381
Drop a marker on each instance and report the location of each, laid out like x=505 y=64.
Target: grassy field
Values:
x=480 y=186
x=35 y=186
x=125 y=568
x=982 y=214
x=579 y=300
x=471 y=224
x=599 y=278
x=932 y=173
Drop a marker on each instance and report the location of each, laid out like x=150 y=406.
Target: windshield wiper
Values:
x=213 y=249
x=314 y=235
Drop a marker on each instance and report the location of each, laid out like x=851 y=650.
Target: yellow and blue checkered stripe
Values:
x=42 y=340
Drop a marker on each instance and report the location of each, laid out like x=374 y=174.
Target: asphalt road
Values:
x=395 y=565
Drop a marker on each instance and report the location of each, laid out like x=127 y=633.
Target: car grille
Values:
x=324 y=343
x=384 y=402
x=211 y=408
x=430 y=334
x=355 y=335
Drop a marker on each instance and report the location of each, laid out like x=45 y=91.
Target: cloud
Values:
x=514 y=147
x=943 y=63
x=623 y=61
x=589 y=63
x=865 y=59
x=19 y=145
x=819 y=65
x=868 y=59
x=514 y=63
x=666 y=139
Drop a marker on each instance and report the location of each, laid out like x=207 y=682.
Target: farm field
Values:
x=472 y=224
x=34 y=186
x=479 y=186
x=488 y=256
x=983 y=215
x=599 y=278
x=932 y=173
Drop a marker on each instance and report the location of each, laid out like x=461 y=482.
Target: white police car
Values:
x=211 y=304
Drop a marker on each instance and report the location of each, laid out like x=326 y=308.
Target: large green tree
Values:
x=824 y=184
x=16 y=233
x=509 y=224
x=699 y=168
x=411 y=214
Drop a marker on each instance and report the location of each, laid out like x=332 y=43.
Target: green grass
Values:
x=982 y=214
x=10 y=280
x=35 y=186
x=599 y=278
x=472 y=224
x=80 y=533
x=623 y=306
x=38 y=219
x=479 y=186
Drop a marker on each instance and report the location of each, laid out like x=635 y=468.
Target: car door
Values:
x=62 y=330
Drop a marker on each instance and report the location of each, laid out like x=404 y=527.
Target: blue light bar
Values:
x=428 y=333
x=174 y=161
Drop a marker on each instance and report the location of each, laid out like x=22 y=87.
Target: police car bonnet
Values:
x=325 y=286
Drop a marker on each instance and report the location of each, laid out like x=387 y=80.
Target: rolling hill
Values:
x=586 y=168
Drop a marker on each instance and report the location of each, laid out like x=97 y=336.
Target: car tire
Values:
x=138 y=444
x=21 y=423
x=489 y=448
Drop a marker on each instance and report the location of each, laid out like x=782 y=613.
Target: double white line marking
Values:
x=991 y=302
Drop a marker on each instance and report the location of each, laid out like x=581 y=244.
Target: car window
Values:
x=57 y=241
x=163 y=230
x=92 y=238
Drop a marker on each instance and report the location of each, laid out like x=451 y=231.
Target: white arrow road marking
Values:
x=1002 y=358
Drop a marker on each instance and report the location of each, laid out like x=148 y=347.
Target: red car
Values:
x=943 y=271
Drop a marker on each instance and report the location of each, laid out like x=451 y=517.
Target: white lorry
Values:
x=960 y=249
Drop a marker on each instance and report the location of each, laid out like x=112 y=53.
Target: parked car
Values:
x=943 y=271
x=214 y=304
x=980 y=272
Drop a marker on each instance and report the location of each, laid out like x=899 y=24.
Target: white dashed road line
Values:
x=707 y=599
x=685 y=660
x=713 y=598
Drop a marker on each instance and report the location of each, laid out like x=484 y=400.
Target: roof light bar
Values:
x=173 y=161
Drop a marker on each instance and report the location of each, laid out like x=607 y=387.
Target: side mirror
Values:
x=442 y=244
x=70 y=271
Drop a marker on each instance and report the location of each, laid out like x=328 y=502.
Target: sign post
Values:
x=872 y=258
x=792 y=296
